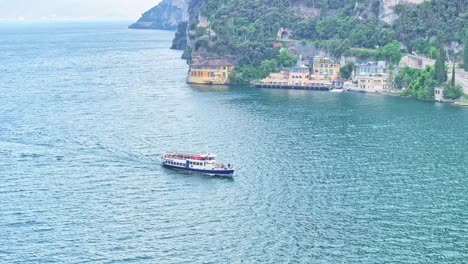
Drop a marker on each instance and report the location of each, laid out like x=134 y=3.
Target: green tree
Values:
x=432 y=52
x=347 y=70
x=418 y=83
x=441 y=73
x=392 y=52
x=267 y=67
x=453 y=92
x=286 y=59
x=465 y=52
x=453 y=76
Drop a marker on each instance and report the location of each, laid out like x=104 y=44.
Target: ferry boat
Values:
x=204 y=163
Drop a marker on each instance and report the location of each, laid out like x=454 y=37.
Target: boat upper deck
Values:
x=190 y=156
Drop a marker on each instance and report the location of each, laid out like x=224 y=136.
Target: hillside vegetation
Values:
x=247 y=29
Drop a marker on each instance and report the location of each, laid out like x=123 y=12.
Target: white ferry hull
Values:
x=203 y=163
x=212 y=172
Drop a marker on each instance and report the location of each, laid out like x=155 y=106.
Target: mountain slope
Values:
x=165 y=16
x=249 y=32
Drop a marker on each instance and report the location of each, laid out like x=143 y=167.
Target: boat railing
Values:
x=191 y=156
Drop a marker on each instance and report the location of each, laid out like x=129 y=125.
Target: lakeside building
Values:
x=298 y=76
x=324 y=72
x=372 y=76
x=370 y=68
x=279 y=79
x=439 y=94
x=325 y=69
x=210 y=72
x=376 y=83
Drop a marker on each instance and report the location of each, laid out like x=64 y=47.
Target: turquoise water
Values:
x=87 y=108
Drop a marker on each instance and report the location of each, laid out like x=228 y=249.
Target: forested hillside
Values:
x=247 y=29
x=433 y=21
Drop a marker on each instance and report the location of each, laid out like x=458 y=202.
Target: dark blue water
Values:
x=86 y=109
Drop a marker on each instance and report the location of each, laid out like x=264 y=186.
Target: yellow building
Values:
x=298 y=76
x=210 y=72
x=325 y=69
x=377 y=83
x=277 y=79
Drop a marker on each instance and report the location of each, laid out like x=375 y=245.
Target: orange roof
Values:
x=212 y=63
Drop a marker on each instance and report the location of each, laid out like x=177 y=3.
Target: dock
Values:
x=295 y=87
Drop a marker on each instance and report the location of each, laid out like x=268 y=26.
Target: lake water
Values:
x=87 y=108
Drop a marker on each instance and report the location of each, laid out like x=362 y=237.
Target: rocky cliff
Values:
x=165 y=16
x=189 y=33
x=183 y=39
x=387 y=13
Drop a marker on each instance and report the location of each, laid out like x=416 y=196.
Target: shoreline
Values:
x=327 y=88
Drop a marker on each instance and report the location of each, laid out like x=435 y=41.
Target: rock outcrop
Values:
x=387 y=14
x=165 y=16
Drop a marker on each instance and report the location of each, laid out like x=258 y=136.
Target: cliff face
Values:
x=188 y=35
x=165 y=16
x=387 y=14
x=183 y=39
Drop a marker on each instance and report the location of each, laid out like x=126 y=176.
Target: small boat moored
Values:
x=204 y=163
x=335 y=90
